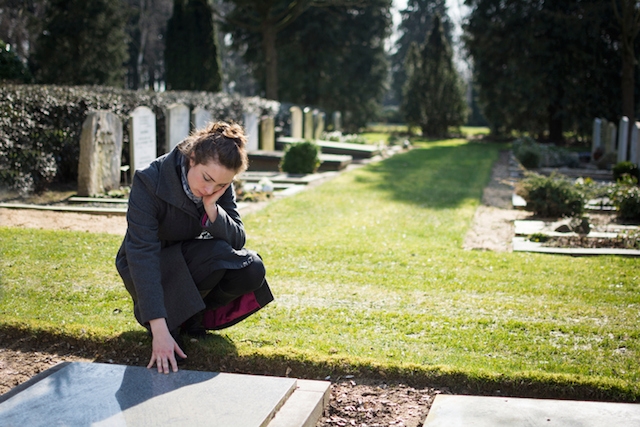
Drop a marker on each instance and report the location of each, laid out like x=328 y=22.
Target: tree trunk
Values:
x=271 y=60
x=555 y=124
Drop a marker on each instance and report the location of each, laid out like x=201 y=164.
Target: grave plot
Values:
x=83 y=394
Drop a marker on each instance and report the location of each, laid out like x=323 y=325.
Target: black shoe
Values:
x=193 y=326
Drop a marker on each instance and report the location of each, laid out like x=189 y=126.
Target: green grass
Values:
x=370 y=278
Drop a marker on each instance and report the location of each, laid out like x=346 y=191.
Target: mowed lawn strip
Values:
x=368 y=270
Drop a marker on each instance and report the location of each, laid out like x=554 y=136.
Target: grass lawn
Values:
x=370 y=279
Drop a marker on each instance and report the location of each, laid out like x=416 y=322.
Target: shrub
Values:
x=626 y=198
x=534 y=155
x=552 y=196
x=301 y=158
x=623 y=168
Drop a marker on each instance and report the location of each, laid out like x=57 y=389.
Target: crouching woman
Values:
x=183 y=258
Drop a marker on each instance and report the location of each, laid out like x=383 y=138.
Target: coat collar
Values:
x=169 y=186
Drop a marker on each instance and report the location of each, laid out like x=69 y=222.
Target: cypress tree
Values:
x=191 y=54
x=433 y=94
x=83 y=42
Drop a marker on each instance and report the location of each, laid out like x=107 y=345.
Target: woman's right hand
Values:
x=164 y=347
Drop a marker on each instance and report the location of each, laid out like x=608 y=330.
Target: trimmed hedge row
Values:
x=40 y=126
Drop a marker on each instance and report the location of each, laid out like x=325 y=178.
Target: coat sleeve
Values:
x=143 y=248
x=228 y=225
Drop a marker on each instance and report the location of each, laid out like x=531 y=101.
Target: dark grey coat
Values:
x=150 y=260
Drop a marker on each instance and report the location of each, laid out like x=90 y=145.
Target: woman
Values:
x=182 y=258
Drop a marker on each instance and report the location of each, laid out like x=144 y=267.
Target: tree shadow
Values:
x=436 y=177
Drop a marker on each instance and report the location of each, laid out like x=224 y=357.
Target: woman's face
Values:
x=206 y=179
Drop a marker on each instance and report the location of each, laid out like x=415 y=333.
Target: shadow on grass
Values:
x=435 y=176
x=219 y=354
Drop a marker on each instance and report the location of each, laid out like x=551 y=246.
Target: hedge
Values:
x=40 y=126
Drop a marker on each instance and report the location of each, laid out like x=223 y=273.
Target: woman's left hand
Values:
x=211 y=200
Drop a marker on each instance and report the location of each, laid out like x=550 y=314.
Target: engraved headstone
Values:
x=610 y=143
x=296 y=122
x=252 y=131
x=200 y=118
x=319 y=125
x=623 y=138
x=308 y=124
x=100 y=153
x=177 y=125
x=596 y=141
x=267 y=134
x=634 y=147
x=337 y=121
x=142 y=138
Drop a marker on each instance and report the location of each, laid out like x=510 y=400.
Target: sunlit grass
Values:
x=368 y=269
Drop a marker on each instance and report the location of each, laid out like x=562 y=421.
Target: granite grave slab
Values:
x=94 y=394
x=488 y=411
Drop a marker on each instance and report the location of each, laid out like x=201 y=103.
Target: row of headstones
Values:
x=99 y=166
x=310 y=124
x=622 y=148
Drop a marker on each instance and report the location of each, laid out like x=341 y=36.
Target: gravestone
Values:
x=100 y=153
x=94 y=394
x=200 y=118
x=319 y=125
x=623 y=139
x=337 y=121
x=296 y=122
x=252 y=131
x=142 y=138
x=308 y=124
x=596 y=140
x=634 y=147
x=177 y=125
x=610 y=143
x=267 y=134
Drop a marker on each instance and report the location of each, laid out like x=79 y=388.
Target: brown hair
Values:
x=222 y=142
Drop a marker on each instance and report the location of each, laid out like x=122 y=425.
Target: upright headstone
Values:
x=604 y=136
x=267 y=134
x=252 y=131
x=319 y=125
x=142 y=138
x=296 y=122
x=308 y=124
x=610 y=146
x=177 y=125
x=337 y=121
x=596 y=140
x=100 y=153
x=634 y=148
x=623 y=138
x=200 y=118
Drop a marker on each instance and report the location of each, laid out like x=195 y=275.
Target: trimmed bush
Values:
x=43 y=122
x=628 y=168
x=301 y=158
x=626 y=198
x=534 y=155
x=551 y=197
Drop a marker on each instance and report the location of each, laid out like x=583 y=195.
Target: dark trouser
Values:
x=220 y=286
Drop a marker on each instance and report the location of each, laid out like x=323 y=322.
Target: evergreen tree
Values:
x=83 y=42
x=417 y=20
x=544 y=67
x=434 y=96
x=191 y=54
x=11 y=67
